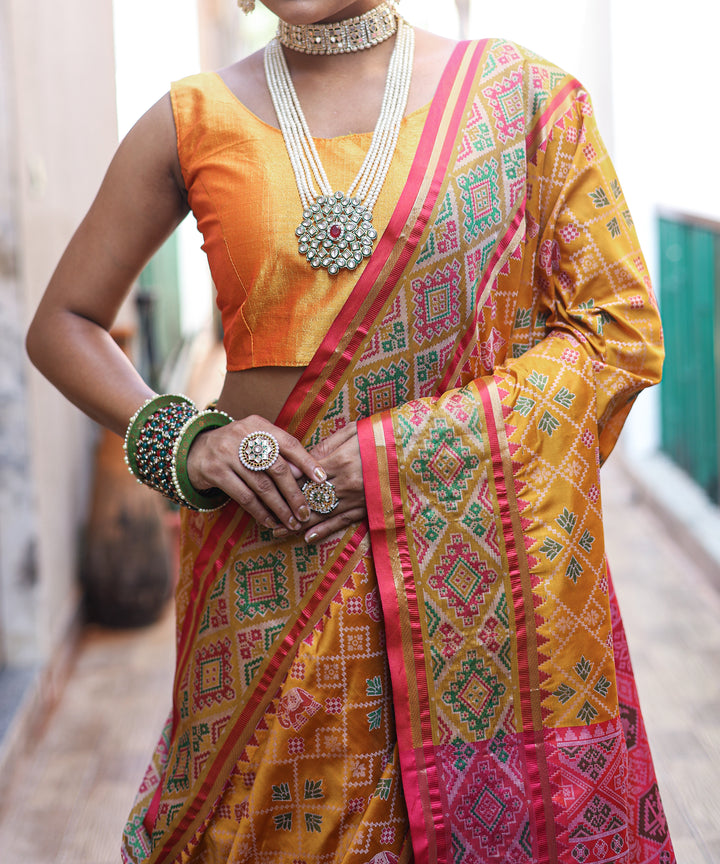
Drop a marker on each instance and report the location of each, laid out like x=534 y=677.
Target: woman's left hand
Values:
x=339 y=455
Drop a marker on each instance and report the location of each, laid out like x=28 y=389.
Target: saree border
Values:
x=391 y=554
x=526 y=648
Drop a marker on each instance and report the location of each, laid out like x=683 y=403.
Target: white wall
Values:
x=65 y=131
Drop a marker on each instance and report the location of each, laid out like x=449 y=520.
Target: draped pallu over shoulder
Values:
x=448 y=681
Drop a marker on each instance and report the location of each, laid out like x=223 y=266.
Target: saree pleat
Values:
x=449 y=681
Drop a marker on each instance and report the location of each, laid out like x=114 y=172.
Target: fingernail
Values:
x=293 y=523
x=280 y=532
x=311 y=536
x=304 y=513
x=271 y=524
x=320 y=475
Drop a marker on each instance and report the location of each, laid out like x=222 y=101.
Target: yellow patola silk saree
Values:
x=448 y=682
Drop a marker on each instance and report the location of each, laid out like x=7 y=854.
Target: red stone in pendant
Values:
x=335 y=231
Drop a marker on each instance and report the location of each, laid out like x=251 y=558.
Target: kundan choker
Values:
x=336 y=231
x=341 y=37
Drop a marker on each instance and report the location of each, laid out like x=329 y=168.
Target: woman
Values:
x=397 y=640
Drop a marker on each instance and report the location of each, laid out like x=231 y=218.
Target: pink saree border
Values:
x=532 y=736
x=391 y=555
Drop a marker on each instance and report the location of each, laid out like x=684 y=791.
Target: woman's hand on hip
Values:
x=272 y=496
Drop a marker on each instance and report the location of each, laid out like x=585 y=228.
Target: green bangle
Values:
x=212 y=499
x=138 y=421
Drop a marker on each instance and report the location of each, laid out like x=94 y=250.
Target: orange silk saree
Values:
x=448 y=682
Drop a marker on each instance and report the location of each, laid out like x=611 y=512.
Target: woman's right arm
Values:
x=140 y=203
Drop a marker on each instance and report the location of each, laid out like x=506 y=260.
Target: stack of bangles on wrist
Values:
x=157 y=443
x=158 y=440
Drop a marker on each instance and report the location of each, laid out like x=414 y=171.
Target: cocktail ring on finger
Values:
x=321 y=497
x=258 y=451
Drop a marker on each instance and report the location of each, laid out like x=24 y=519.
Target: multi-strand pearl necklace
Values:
x=341 y=37
x=336 y=231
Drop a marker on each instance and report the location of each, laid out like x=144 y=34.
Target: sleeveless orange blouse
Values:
x=241 y=188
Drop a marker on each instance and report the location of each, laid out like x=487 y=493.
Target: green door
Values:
x=689 y=286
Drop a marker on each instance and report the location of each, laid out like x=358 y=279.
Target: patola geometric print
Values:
x=449 y=682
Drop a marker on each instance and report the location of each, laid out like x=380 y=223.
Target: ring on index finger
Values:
x=258 y=451
x=321 y=497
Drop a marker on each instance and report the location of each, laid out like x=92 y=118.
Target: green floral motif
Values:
x=587 y=713
x=283 y=821
x=564 y=693
x=541 y=320
x=475 y=695
x=524 y=405
x=382 y=790
x=374 y=686
x=574 y=570
x=374 y=719
x=548 y=423
x=564 y=397
x=519 y=350
x=615 y=187
x=613 y=227
x=586 y=541
x=538 y=380
x=523 y=318
x=313 y=789
x=445 y=465
x=313 y=823
x=603 y=686
x=599 y=198
x=583 y=668
x=281 y=792
x=566 y=520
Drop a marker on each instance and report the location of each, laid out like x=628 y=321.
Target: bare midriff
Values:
x=262 y=390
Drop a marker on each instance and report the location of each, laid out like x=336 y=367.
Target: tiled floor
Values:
x=67 y=799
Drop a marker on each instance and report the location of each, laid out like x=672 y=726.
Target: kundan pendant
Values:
x=336 y=233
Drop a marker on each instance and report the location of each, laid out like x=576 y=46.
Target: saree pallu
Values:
x=448 y=682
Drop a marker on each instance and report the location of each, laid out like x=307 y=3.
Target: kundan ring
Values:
x=321 y=497
x=258 y=451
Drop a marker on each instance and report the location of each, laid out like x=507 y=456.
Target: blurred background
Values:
x=74 y=76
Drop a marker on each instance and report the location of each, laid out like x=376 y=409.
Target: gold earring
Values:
x=247 y=6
